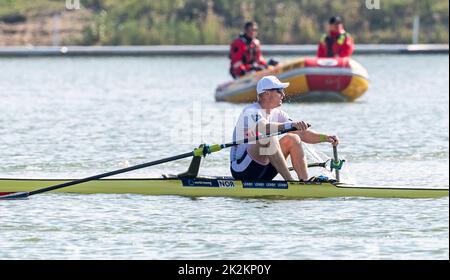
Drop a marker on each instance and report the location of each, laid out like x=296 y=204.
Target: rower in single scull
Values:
x=264 y=159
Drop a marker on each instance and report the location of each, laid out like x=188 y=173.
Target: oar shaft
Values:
x=203 y=151
x=156 y=162
x=112 y=173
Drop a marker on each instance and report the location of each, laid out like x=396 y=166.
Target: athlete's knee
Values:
x=293 y=139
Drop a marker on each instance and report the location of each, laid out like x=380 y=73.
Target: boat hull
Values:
x=311 y=79
x=224 y=187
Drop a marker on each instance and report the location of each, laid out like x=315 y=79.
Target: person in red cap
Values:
x=245 y=52
x=338 y=42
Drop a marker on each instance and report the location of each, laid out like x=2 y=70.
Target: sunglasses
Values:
x=279 y=90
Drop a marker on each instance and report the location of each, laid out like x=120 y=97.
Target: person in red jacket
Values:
x=245 y=52
x=337 y=43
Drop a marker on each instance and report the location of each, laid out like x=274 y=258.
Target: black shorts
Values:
x=256 y=171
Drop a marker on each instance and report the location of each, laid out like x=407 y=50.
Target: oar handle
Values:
x=336 y=160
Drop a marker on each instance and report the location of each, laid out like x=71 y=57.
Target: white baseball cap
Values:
x=269 y=82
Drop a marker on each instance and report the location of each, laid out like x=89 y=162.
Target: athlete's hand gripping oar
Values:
x=202 y=151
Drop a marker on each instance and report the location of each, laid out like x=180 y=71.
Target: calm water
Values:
x=83 y=116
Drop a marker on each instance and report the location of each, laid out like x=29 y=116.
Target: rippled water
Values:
x=82 y=116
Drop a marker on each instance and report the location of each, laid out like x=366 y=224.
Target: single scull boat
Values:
x=223 y=186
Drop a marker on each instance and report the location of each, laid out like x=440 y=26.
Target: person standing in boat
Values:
x=338 y=42
x=245 y=52
x=264 y=160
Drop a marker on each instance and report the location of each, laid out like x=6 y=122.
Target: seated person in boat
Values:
x=337 y=42
x=266 y=158
x=245 y=52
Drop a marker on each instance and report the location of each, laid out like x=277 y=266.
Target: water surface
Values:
x=76 y=117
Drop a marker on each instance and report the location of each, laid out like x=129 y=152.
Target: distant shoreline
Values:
x=218 y=50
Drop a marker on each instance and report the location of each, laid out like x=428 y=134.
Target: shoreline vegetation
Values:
x=206 y=22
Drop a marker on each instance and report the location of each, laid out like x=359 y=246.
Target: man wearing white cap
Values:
x=263 y=160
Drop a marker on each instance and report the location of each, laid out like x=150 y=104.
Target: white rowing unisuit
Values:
x=246 y=127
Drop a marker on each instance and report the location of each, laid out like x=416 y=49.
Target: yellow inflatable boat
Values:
x=312 y=79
